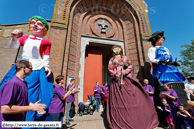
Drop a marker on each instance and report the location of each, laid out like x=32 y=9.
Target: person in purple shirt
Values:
x=97 y=94
x=190 y=114
x=58 y=101
x=173 y=100
x=105 y=91
x=14 y=96
x=167 y=113
x=70 y=101
x=183 y=117
x=148 y=89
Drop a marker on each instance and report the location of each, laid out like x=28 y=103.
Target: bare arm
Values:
x=66 y=95
x=151 y=93
x=171 y=97
x=182 y=115
x=167 y=110
x=190 y=93
x=161 y=95
x=72 y=90
x=159 y=108
x=187 y=113
x=14 y=109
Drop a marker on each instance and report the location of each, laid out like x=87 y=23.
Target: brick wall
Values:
x=73 y=18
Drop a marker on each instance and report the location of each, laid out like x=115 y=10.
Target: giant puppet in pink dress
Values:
x=36 y=49
x=128 y=106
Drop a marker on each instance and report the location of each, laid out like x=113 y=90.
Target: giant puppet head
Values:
x=117 y=50
x=38 y=26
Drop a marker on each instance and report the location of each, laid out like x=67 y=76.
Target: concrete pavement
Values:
x=96 y=121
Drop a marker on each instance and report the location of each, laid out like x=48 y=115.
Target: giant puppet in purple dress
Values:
x=129 y=106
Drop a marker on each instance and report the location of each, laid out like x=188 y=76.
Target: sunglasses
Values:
x=28 y=67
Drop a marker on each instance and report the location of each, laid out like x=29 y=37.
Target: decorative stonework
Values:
x=63 y=7
x=102 y=26
x=116 y=20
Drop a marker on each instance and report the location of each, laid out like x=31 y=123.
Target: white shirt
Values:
x=152 y=54
x=189 y=86
x=31 y=52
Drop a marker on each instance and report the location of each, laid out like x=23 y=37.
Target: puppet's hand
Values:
x=175 y=63
x=124 y=73
x=48 y=71
x=16 y=34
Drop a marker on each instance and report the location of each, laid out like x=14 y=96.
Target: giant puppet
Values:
x=36 y=49
x=163 y=66
x=164 y=70
x=129 y=106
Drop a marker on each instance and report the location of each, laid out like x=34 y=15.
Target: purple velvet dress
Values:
x=129 y=106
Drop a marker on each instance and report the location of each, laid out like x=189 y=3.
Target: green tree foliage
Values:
x=187 y=62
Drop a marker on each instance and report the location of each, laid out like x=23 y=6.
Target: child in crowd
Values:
x=167 y=112
x=190 y=114
x=58 y=101
x=183 y=117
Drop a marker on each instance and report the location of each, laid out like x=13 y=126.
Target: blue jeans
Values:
x=69 y=111
x=185 y=127
x=97 y=104
x=57 y=117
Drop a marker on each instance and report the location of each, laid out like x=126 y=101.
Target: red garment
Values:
x=45 y=45
x=105 y=98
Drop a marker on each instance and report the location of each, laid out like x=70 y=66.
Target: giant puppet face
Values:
x=117 y=51
x=37 y=28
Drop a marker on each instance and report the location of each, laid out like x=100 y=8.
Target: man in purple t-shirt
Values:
x=97 y=94
x=70 y=101
x=148 y=89
x=14 y=96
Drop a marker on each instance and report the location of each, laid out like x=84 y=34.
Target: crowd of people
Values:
x=166 y=72
x=100 y=94
x=177 y=115
x=27 y=84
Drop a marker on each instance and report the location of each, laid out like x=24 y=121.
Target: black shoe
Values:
x=71 y=120
x=67 y=123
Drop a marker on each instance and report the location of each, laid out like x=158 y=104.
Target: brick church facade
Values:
x=82 y=33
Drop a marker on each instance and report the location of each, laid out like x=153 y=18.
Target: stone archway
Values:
x=119 y=20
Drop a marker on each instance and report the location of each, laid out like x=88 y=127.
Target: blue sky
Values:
x=174 y=17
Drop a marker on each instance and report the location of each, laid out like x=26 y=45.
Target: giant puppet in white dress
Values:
x=36 y=49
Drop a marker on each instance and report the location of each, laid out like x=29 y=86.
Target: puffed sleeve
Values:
x=20 y=42
x=152 y=55
x=46 y=50
x=111 y=67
